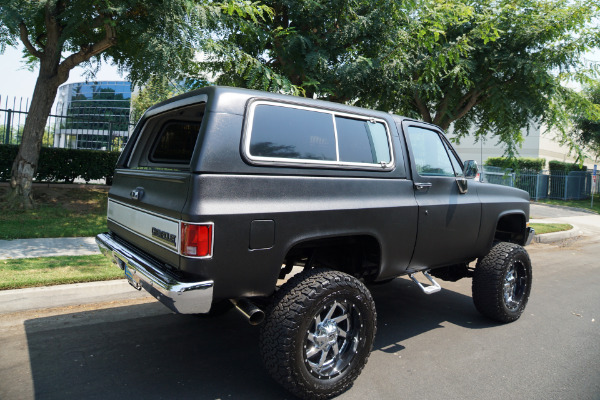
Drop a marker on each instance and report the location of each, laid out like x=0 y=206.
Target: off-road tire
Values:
x=502 y=282
x=293 y=341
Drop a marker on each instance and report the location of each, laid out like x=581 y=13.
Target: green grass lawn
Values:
x=30 y=272
x=549 y=228
x=60 y=212
x=575 y=203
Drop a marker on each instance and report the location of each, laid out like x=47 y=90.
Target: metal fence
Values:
x=576 y=185
x=97 y=128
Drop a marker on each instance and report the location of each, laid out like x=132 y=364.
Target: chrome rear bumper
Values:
x=142 y=272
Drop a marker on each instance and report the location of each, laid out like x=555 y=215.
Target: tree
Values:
x=314 y=48
x=586 y=126
x=497 y=68
x=144 y=37
x=490 y=65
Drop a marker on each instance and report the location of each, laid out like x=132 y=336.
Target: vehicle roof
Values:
x=234 y=100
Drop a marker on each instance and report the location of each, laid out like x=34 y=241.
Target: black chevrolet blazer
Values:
x=222 y=194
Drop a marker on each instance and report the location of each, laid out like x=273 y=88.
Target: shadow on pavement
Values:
x=404 y=311
x=143 y=351
x=160 y=356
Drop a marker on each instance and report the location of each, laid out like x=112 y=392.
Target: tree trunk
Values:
x=26 y=163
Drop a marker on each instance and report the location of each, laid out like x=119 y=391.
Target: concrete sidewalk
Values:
x=585 y=222
x=30 y=248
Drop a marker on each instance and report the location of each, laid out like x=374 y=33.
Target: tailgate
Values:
x=144 y=208
x=152 y=180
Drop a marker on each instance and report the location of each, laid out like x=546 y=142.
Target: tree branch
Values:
x=422 y=107
x=441 y=110
x=24 y=35
x=88 y=52
x=470 y=100
x=38 y=40
x=98 y=21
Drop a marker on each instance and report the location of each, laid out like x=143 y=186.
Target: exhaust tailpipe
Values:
x=253 y=314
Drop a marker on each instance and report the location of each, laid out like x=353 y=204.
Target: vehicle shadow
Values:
x=144 y=351
x=404 y=311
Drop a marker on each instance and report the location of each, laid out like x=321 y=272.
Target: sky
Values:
x=17 y=81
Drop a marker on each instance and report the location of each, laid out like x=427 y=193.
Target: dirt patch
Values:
x=77 y=198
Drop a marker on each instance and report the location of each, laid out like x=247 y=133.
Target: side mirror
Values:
x=470 y=169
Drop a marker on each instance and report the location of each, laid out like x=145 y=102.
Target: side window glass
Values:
x=362 y=141
x=429 y=152
x=175 y=144
x=458 y=171
x=283 y=132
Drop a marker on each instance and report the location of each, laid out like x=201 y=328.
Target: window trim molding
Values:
x=307 y=163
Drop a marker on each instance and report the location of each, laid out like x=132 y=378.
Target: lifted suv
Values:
x=221 y=192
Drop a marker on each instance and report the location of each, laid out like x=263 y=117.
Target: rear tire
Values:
x=502 y=282
x=318 y=333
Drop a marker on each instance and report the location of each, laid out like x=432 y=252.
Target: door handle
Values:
x=422 y=186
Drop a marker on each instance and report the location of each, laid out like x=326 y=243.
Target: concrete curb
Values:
x=17 y=300
x=557 y=236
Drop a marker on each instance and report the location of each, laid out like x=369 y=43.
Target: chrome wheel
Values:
x=318 y=333
x=515 y=283
x=332 y=339
x=502 y=282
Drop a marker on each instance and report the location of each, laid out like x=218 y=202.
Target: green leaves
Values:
x=585 y=128
x=487 y=66
x=247 y=9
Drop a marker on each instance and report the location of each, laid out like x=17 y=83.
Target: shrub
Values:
x=64 y=165
x=520 y=164
x=560 y=166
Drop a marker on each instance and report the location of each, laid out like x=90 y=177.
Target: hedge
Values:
x=64 y=165
x=522 y=164
x=560 y=166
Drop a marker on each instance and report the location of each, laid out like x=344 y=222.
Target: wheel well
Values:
x=511 y=228
x=358 y=255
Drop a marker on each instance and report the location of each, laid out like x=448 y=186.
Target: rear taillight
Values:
x=196 y=240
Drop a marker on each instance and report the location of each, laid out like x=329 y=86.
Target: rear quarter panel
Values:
x=302 y=208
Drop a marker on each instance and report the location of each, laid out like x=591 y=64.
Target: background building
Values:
x=540 y=143
x=92 y=115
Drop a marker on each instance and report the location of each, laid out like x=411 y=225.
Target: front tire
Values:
x=318 y=333
x=502 y=282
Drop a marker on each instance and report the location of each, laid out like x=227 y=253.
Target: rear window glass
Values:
x=175 y=143
x=362 y=141
x=283 y=132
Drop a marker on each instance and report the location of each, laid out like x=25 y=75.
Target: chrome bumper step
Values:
x=144 y=273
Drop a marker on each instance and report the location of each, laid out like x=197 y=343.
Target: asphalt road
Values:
x=427 y=347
